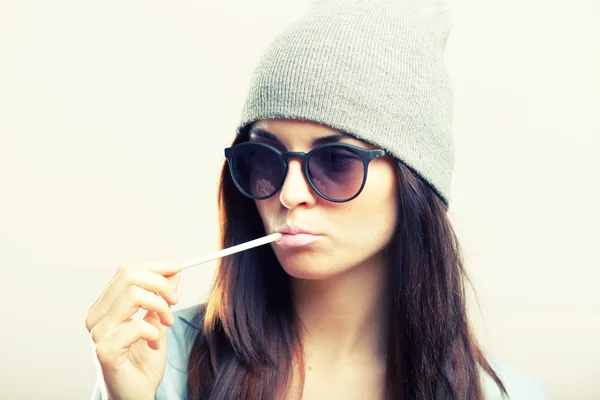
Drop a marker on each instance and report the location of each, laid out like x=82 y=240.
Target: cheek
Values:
x=266 y=210
x=376 y=212
x=373 y=214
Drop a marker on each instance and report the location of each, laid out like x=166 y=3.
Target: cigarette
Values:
x=231 y=250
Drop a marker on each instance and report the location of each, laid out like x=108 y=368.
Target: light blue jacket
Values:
x=181 y=337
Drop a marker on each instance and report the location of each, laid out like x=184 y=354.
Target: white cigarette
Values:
x=231 y=250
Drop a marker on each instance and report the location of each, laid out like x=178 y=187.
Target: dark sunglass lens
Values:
x=337 y=172
x=257 y=170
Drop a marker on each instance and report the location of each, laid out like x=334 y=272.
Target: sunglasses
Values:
x=337 y=172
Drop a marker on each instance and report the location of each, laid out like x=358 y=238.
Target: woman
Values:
x=344 y=146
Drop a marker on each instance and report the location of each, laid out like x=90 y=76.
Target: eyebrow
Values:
x=322 y=140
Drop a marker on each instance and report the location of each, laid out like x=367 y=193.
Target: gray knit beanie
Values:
x=371 y=68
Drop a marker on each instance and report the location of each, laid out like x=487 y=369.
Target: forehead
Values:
x=290 y=126
x=301 y=134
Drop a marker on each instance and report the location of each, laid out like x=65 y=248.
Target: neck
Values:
x=345 y=316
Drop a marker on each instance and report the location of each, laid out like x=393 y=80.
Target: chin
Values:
x=308 y=266
x=307 y=274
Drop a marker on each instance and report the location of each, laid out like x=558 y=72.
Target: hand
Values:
x=132 y=352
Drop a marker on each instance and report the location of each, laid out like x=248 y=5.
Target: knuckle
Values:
x=103 y=353
x=128 y=275
x=133 y=293
x=88 y=324
x=121 y=268
x=95 y=335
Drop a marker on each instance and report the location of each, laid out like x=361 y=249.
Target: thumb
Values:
x=154 y=319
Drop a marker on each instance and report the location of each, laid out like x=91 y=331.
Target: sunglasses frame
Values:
x=284 y=156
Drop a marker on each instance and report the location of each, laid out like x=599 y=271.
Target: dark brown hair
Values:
x=249 y=338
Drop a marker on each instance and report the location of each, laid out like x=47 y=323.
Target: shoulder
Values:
x=519 y=385
x=180 y=339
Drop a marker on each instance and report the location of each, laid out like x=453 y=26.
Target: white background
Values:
x=113 y=120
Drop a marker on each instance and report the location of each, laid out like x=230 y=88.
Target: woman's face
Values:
x=345 y=235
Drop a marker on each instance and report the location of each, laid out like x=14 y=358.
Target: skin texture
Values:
x=339 y=283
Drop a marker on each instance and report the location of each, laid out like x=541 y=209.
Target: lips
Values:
x=293 y=229
x=294 y=236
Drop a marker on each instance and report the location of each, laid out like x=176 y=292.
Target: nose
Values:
x=295 y=189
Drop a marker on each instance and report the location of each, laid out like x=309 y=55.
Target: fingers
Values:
x=174 y=284
x=115 y=347
x=126 y=305
x=154 y=277
x=153 y=319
